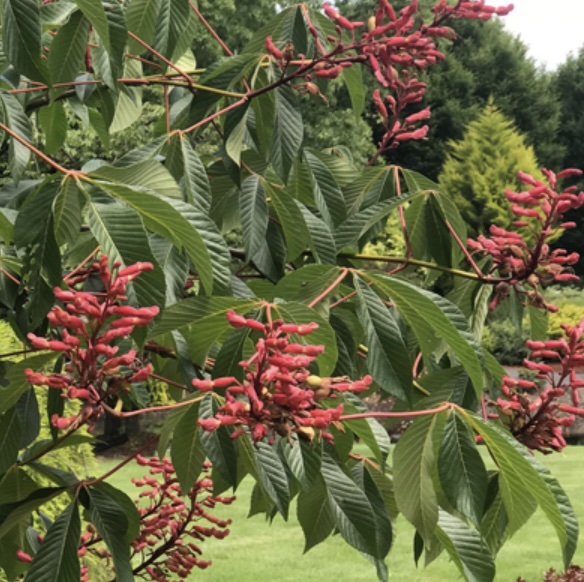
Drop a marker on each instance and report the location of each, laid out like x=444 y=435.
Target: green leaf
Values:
x=538 y=323
x=53 y=121
x=122 y=237
x=21 y=26
x=94 y=11
x=272 y=475
x=288 y=131
x=67 y=212
x=234 y=131
x=161 y=217
x=170 y=24
x=68 y=50
x=352 y=512
x=541 y=484
x=141 y=18
x=388 y=358
x=14 y=512
x=12 y=114
x=253 y=210
x=315 y=514
x=432 y=317
x=520 y=482
x=307 y=283
x=327 y=193
x=322 y=241
x=112 y=524
x=303 y=460
x=353 y=78
x=186 y=451
x=56 y=560
x=230 y=354
x=466 y=549
x=10 y=431
x=291 y=219
x=218 y=444
x=347 y=235
x=462 y=472
x=149 y=174
x=188 y=169
x=27 y=409
x=16 y=384
x=414 y=463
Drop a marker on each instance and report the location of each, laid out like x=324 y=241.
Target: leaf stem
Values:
x=411 y=414
x=330 y=288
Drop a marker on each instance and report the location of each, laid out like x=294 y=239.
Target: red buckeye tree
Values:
x=117 y=275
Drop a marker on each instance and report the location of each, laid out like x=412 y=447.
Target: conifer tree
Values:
x=480 y=167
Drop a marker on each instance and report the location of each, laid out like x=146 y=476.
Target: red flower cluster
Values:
x=529 y=259
x=169 y=519
x=536 y=415
x=395 y=46
x=168 y=544
x=89 y=324
x=279 y=395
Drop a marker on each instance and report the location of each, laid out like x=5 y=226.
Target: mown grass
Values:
x=259 y=552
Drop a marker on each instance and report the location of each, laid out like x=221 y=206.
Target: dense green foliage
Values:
x=231 y=269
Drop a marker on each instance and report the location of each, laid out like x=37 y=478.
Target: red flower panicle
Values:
x=278 y=395
x=537 y=411
x=168 y=546
x=395 y=45
x=88 y=325
x=527 y=259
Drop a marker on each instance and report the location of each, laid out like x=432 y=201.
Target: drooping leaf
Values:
x=10 y=431
x=352 y=512
x=68 y=49
x=188 y=169
x=218 y=444
x=141 y=18
x=388 y=358
x=170 y=24
x=67 y=212
x=273 y=477
x=21 y=26
x=12 y=114
x=519 y=481
x=187 y=451
x=462 y=471
x=53 y=121
x=253 y=210
x=112 y=524
x=122 y=237
x=327 y=193
x=414 y=462
x=292 y=221
x=16 y=384
x=466 y=549
x=288 y=131
x=315 y=514
x=57 y=558
x=432 y=317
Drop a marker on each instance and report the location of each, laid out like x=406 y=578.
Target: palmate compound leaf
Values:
x=522 y=480
x=272 y=475
x=56 y=560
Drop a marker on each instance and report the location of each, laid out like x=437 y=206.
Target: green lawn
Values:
x=258 y=552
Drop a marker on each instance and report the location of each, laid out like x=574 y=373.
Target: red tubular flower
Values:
x=89 y=324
